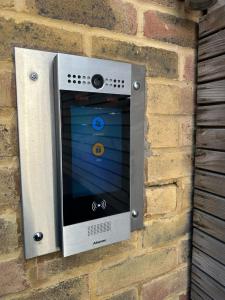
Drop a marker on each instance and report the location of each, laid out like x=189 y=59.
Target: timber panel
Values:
x=209 y=203
x=212 y=22
x=209 y=224
x=208 y=259
x=210 y=138
x=211 y=69
x=210 y=182
x=211 y=46
x=211 y=115
x=212 y=92
x=198 y=294
x=209 y=266
x=207 y=284
x=210 y=160
x=209 y=245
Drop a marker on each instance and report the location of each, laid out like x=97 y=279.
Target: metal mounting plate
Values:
x=36 y=123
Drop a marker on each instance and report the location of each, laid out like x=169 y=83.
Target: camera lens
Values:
x=97 y=81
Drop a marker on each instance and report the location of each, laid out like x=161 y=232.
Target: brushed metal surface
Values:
x=116 y=74
x=75 y=237
x=77 y=240
x=137 y=118
x=37 y=144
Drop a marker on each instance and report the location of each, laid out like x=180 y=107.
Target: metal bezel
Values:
x=37 y=148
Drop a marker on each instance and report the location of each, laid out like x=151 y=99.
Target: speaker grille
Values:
x=99 y=228
x=80 y=79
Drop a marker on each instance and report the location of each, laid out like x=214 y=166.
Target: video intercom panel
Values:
x=81 y=141
x=93 y=114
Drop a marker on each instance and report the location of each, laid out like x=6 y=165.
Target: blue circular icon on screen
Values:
x=98 y=123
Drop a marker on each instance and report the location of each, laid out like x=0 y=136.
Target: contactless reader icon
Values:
x=98 y=123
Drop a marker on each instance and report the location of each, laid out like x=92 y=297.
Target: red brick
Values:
x=12 y=277
x=165 y=286
x=189 y=68
x=168 y=28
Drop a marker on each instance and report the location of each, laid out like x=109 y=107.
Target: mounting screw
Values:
x=136 y=85
x=34 y=76
x=38 y=236
x=135 y=213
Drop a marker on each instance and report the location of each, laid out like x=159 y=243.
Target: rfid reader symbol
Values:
x=103 y=204
x=98 y=149
x=95 y=205
x=98 y=123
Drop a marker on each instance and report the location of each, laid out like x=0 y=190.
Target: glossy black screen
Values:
x=95 y=155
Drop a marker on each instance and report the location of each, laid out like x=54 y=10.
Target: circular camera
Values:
x=97 y=81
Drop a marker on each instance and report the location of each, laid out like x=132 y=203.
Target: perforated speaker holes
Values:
x=99 y=228
x=78 y=79
x=86 y=79
x=116 y=83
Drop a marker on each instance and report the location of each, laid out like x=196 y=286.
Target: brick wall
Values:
x=154 y=263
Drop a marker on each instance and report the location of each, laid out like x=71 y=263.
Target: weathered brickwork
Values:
x=161 y=232
x=167 y=99
x=128 y=295
x=170 y=29
x=30 y=35
x=159 y=62
x=136 y=269
x=12 y=277
x=161 y=199
x=115 y=14
x=8 y=232
x=159 y=34
x=163 y=287
x=9 y=181
x=76 y=288
x=8 y=132
x=7 y=85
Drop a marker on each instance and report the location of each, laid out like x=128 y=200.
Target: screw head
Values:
x=34 y=76
x=136 y=85
x=38 y=236
x=135 y=213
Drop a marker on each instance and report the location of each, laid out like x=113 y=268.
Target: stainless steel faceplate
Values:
x=96 y=233
x=76 y=73
x=36 y=123
x=35 y=104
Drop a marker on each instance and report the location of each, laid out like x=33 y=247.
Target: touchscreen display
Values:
x=95 y=155
x=96 y=150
